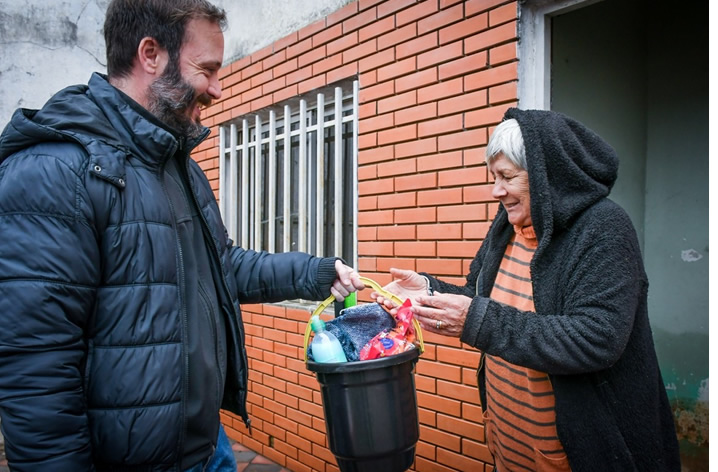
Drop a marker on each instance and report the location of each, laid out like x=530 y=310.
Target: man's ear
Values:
x=152 y=58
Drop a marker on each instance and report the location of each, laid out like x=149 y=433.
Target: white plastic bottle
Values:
x=325 y=346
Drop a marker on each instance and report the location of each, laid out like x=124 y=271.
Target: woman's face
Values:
x=511 y=188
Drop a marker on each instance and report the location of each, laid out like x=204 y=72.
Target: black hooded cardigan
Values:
x=590 y=331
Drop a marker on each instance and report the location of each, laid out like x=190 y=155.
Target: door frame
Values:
x=534 y=50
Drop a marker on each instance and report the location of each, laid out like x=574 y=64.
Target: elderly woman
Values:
x=556 y=301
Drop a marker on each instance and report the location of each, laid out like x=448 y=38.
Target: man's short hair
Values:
x=127 y=22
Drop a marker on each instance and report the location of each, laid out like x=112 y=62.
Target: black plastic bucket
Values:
x=370 y=410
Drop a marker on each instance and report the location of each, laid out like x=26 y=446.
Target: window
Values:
x=287 y=175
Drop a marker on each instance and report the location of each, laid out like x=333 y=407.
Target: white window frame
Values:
x=239 y=172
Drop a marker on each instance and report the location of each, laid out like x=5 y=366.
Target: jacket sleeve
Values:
x=594 y=307
x=48 y=262
x=264 y=278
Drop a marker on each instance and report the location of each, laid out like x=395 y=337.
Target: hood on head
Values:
x=570 y=167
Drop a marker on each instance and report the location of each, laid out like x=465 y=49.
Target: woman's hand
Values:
x=441 y=313
x=406 y=284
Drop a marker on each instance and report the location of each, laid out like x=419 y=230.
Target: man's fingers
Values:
x=348 y=277
x=339 y=292
x=342 y=272
x=356 y=281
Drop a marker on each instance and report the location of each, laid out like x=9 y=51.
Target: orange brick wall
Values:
x=435 y=76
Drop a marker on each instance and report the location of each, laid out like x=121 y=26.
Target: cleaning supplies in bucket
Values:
x=369 y=332
x=357 y=325
x=370 y=407
x=325 y=346
x=394 y=341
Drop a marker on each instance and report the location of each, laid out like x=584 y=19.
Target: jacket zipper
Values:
x=225 y=287
x=183 y=308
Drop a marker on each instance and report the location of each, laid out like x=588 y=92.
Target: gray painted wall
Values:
x=46 y=45
x=637 y=73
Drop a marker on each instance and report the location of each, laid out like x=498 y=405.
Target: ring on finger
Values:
x=438 y=324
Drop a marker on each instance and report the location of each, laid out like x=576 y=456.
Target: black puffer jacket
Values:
x=93 y=337
x=590 y=331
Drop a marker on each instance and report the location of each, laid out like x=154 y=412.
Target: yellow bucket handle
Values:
x=380 y=290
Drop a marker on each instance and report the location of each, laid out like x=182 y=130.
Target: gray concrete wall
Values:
x=609 y=71
x=47 y=45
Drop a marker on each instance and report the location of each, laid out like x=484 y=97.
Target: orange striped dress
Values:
x=520 y=418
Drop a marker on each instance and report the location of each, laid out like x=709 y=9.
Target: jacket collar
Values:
x=106 y=122
x=144 y=135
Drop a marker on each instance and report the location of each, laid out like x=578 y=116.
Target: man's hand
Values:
x=347 y=281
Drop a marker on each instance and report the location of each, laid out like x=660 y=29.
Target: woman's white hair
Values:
x=507 y=140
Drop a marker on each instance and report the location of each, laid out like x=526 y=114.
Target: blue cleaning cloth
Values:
x=355 y=326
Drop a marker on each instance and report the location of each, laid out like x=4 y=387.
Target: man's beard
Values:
x=170 y=98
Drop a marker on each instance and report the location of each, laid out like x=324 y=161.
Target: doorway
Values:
x=636 y=72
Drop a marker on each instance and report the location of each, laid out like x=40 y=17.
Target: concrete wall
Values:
x=45 y=46
x=609 y=71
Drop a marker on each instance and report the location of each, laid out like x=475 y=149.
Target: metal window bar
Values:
x=250 y=157
x=338 y=209
x=257 y=201
x=302 y=175
x=272 y=182
x=222 y=170
x=287 y=209
x=355 y=166
x=319 y=219
x=245 y=185
x=234 y=179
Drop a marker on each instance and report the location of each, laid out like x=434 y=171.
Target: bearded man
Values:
x=120 y=293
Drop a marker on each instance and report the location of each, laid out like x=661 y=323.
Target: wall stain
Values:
x=691 y=422
x=691 y=255
x=691 y=417
x=25 y=27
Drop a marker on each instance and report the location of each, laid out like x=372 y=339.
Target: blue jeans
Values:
x=223 y=458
